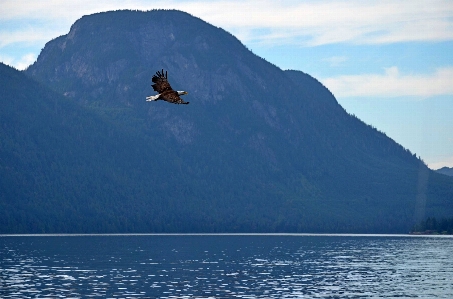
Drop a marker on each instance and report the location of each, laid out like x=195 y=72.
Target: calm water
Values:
x=231 y=266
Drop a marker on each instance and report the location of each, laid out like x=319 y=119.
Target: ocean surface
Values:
x=226 y=266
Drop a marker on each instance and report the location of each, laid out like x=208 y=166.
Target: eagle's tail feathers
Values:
x=152 y=98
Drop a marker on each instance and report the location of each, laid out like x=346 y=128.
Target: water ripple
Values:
x=226 y=267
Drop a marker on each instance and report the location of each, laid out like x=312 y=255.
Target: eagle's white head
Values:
x=180 y=93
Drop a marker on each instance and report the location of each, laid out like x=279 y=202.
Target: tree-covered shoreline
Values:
x=432 y=226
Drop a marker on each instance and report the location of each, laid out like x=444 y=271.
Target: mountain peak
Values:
x=100 y=49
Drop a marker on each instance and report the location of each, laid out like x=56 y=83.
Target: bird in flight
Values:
x=165 y=92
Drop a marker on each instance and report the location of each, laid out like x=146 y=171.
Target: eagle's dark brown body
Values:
x=164 y=89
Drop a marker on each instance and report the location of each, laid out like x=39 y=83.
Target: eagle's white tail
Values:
x=152 y=98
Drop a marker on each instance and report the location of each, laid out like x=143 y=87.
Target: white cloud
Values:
x=305 y=23
x=20 y=63
x=25 y=61
x=392 y=84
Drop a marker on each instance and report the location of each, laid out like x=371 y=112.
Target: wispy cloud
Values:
x=27 y=35
x=324 y=22
x=307 y=23
x=336 y=61
x=20 y=63
x=392 y=84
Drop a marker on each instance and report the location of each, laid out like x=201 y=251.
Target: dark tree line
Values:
x=432 y=226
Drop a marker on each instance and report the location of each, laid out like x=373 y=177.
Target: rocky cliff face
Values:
x=93 y=56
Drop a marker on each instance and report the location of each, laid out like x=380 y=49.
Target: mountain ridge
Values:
x=445 y=170
x=258 y=149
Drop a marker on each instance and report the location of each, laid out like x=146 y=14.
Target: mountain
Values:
x=258 y=149
x=445 y=170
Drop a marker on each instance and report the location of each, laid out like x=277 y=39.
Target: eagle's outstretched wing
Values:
x=172 y=97
x=160 y=82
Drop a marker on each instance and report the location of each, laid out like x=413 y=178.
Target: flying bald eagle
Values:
x=164 y=89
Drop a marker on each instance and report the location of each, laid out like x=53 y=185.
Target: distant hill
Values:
x=257 y=150
x=446 y=170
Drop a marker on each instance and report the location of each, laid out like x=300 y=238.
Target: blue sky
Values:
x=388 y=62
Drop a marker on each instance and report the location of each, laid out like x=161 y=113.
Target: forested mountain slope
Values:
x=257 y=149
